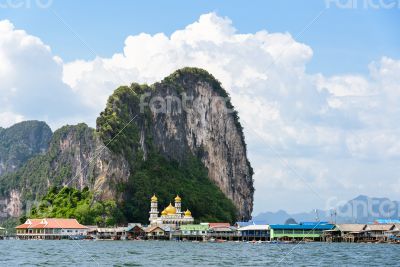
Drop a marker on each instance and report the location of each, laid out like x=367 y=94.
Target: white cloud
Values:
x=347 y=85
x=330 y=129
x=31 y=79
x=7 y=119
x=240 y=61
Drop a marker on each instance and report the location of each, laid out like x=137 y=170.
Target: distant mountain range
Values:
x=362 y=209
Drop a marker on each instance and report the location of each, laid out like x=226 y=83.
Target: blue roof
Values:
x=387 y=221
x=303 y=226
x=313 y=223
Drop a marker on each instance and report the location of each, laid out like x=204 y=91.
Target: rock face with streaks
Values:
x=76 y=157
x=189 y=112
x=207 y=128
x=79 y=152
x=21 y=142
x=166 y=129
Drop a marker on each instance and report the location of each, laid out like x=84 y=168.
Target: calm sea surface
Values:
x=164 y=253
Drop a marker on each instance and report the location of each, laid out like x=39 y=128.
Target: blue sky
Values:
x=343 y=40
x=317 y=86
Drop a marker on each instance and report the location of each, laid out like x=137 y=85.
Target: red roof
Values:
x=27 y=224
x=219 y=225
x=51 y=223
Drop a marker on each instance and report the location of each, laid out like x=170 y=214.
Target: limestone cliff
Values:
x=208 y=129
x=180 y=135
x=20 y=142
x=189 y=112
x=79 y=152
x=76 y=157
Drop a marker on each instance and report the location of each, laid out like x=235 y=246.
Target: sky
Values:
x=315 y=82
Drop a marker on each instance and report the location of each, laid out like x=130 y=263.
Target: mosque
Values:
x=171 y=215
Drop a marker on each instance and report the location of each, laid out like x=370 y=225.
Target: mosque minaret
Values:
x=153 y=208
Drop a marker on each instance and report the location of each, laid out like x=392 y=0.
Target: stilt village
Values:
x=176 y=225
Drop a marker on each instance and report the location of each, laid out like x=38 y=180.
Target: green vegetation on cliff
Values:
x=156 y=174
x=21 y=142
x=33 y=178
x=127 y=132
x=166 y=178
x=117 y=126
x=67 y=202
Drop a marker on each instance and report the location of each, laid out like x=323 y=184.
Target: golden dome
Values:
x=170 y=209
x=154 y=198
x=188 y=213
x=164 y=212
x=178 y=198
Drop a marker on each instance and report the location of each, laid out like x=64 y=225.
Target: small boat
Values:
x=76 y=237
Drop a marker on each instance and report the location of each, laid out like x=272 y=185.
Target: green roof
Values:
x=194 y=227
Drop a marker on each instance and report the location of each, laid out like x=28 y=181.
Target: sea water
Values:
x=170 y=253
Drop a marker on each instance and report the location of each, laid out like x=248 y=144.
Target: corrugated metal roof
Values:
x=111 y=230
x=351 y=227
x=219 y=225
x=152 y=228
x=255 y=227
x=242 y=224
x=313 y=223
x=51 y=223
x=222 y=229
x=387 y=221
x=194 y=227
x=379 y=227
x=132 y=225
x=315 y=226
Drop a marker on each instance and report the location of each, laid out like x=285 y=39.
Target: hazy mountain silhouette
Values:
x=362 y=209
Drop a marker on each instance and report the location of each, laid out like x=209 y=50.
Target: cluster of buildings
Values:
x=174 y=224
x=379 y=231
